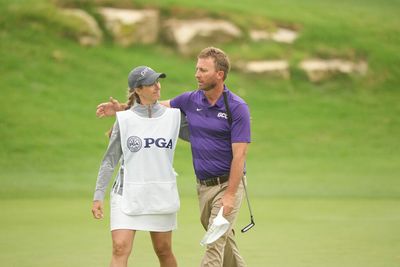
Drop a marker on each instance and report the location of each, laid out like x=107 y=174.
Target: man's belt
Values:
x=214 y=180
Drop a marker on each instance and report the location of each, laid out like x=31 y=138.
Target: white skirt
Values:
x=150 y=222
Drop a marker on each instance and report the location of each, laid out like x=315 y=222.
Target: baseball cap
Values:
x=217 y=229
x=143 y=75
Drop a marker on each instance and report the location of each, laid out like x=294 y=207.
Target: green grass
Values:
x=323 y=165
x=288 y=232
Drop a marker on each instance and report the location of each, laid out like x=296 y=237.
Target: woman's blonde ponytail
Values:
x=132 y=97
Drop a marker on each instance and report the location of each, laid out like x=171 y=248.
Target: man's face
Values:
x=206 y=74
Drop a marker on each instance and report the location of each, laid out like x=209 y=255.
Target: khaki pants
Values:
x=223 y=252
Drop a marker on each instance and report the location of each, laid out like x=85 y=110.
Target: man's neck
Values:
x=214 y=94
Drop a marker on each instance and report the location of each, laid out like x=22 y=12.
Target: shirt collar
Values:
x=144 y=108
x=220 y=102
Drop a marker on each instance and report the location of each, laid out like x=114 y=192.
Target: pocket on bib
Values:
x=150 y=198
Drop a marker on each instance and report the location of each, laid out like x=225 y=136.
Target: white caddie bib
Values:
x=148 y=146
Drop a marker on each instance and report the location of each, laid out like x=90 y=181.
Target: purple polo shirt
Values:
x=211 y=136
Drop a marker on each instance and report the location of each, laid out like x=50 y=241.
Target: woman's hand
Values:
x=109 y=108
x=97 y=209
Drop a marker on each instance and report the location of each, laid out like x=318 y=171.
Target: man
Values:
x=218 y=148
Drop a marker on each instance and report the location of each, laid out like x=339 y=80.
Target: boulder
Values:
x=281 y=35
x=321 y=69
x=128 y=26
x=90 y=33
x=278 y=68
x=190 y=36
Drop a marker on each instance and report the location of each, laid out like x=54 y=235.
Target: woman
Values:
x=144 y=196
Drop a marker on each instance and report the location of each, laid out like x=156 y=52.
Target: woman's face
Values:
x=149 y=94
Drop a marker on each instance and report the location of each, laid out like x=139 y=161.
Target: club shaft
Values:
x=247 y=198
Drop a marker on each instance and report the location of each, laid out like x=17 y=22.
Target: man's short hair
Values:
x=221 y=60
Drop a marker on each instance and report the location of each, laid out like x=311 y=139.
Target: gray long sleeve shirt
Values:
x=113 y=154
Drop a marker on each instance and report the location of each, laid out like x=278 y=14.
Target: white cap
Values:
x=219 y=227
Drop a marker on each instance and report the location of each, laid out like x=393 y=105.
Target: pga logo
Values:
x=135 y=143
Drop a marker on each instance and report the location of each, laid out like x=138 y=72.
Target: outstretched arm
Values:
x=184 y=127
x=165 y=103
x=109 y=108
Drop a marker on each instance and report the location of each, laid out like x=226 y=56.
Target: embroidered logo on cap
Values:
x=143 y=73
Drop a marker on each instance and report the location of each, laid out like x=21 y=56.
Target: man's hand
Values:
x=108 y=108
x=97 y=209
x=228 y=201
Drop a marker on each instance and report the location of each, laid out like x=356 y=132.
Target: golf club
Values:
x=252 y=223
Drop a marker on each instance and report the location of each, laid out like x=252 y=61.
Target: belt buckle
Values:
x=211 y=181
x=215 y=181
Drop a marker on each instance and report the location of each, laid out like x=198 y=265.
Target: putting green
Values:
x=330 y=232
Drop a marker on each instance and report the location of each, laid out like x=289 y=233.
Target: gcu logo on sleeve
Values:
x=134 y=143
